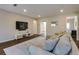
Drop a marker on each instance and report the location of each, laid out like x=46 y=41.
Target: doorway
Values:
x=72 y=27
x=43 y=29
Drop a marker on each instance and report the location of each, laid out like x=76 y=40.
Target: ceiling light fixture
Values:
x=61 y=10
x=25 y=10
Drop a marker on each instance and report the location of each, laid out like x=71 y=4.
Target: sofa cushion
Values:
x=50 y=44
x=63 y=47
x=38 y=51
x=24 y=48
x=19 y=49
x=13 y=51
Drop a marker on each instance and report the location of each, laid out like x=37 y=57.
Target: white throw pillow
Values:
x=63 y=47
x=50 y=44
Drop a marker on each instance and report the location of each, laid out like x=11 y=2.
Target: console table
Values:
x=14 y=42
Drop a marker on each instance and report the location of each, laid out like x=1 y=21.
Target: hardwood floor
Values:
x=14 y=42
x=2 y=52
x=77 y=43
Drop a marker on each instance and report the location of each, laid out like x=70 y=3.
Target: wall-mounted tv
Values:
x=21 y=25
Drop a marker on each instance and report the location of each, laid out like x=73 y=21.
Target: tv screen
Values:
x=21 y=25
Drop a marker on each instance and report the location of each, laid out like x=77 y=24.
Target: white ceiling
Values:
x=44 y=10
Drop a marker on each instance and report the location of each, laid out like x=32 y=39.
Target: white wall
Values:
x=8 y=25
x=35 y=26
x=78 y=29
x=61 y=23
x=78 y=26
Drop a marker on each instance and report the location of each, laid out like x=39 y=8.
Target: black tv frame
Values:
x=20 y=25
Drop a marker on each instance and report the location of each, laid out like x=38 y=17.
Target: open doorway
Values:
x=43 y=28
x=72 y=27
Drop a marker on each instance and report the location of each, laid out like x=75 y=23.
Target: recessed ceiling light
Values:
x=61 y=10
x=25 y=10
x=39 y=16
